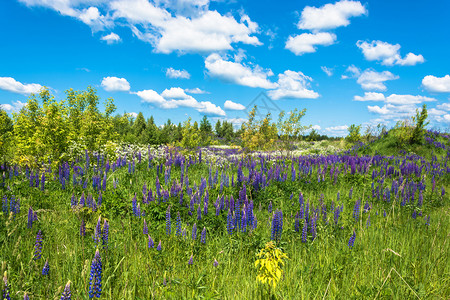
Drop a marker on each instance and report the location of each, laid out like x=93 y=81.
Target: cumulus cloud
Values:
x=169 y=25
x=172 y=73
x=372 y=80
x=316 y=127
x=330 y=16
x=115 y=84
x=370 y=96
x=238 y=73
x=176 y=97
x=12 y=85
x=14 y=107
x=196 y=91
x=293 y=84
x=444 y=106
x=407 y=99
x=133 y=114
x=307 y=42
x=401 y=106
x=388 y=54
x=233 y=105
x=111 y=38
x=437 y=84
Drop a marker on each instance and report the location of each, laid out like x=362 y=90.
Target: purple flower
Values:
x=66 y=295
x=178 y=231
x=191 y=260
x=38 y=246
x=305 y=232
x=215 y=263
x=352 y=239
x=151 y=244
x=25 y=297
x=194 y=232
x=46 y=268
x=270 y=207
x=105 y=234
x=6 y=288
x=277 y=225
x=203 y=236
x=95 y=279
x=145 y=230
x=159 y=246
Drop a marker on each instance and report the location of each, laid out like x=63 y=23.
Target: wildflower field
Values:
x=167 y=223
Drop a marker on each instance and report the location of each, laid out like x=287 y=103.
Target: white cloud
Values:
x=407 y=99
x=196 y=91
x=238 y=73
x=172 y=73
x=437 y=84
x=307 y=42
x=436 y=112
x=330 y=16
x=176 y=97
x=388 y=54
x=169 y=25
x=111 y=38
x=444 y=106
x=447 y=118
x=14 y=107
x=316 y=127
x=11 y=85
x=327 y=71
x=370 y=96
x=337 y=128
x=233 y=105
x=293 y=84
x=378 y=110
x=113 y=84
x=133 y=114
x=372 y=80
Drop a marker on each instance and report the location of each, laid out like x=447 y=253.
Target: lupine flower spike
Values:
x=66 y=295
x=38 y=246
x=46 y=268
x=95 y=280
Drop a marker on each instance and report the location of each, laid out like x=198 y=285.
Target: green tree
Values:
x=258 y=134
x=291 y=129
x=6 y=135
x=191 y=136
x=420 y=124
x=354 y=133
x=139 y=129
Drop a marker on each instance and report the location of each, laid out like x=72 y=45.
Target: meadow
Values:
x=172 y=223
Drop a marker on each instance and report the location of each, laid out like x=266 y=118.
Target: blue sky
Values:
x=346 y=62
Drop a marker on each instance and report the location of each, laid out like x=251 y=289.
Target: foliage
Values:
x=420 y=124
x=269 y=263
x=258 y=134
x=354 y=134
x=6 y=134
x=290 y=129
x=191 y=136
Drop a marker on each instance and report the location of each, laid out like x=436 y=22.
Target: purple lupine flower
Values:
x=168 y=221
x=305 y=232
x=151 y=244
x=73 y=200
x=297 y=222
x=270 y=207
x=414 y=214
x=30 y=218
x=100 y=197
x=194 y=232
x=66 y=295
x=427 y=222
x=384 y=213
x=38 y=246
x=159 y=246
x=6 y=288
x=215 y=263
x=191 y=260
x=145 y=229
x=277 y=225
x=352 y=239
x=82 y=228
x=82 y=200
x=356 y=210
x=199 y=213
x=105 y=234
x=98 y=230
x=230 y=223
x=178 y=230
x=95 y=279
x=46 y=268
x=203 y=236
x=442 y=191
x=25 y=297
x=43 y=182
